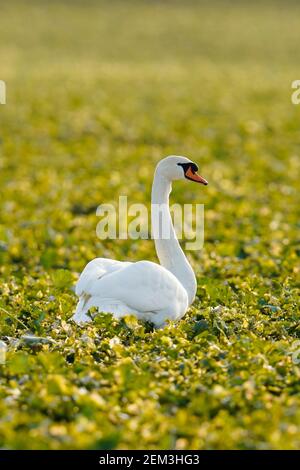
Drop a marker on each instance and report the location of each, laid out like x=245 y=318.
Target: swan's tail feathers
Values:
x=116 y=307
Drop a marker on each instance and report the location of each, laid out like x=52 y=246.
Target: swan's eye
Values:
x=186 y=166
x=194 y=168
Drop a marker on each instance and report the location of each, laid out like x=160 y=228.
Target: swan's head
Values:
x=178 y=168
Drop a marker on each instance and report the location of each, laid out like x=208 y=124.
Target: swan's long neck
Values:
x=168 y=249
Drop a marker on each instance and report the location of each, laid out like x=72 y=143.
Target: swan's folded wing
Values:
x=95 y=270
x=143 y=286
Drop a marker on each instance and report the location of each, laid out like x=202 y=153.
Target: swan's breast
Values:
x=162 y=283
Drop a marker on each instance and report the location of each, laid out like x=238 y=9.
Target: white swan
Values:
x=149 y=291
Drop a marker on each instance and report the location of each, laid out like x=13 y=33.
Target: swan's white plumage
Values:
x=150 y=291
x=144 y=289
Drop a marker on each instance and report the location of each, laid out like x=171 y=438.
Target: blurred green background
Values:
x=97 y=93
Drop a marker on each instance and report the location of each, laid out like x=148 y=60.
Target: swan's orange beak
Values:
x=193 y=176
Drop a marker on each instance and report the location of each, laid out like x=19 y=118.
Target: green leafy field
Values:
x=97 y=93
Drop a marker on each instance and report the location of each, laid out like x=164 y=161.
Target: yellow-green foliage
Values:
x=97 y=93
